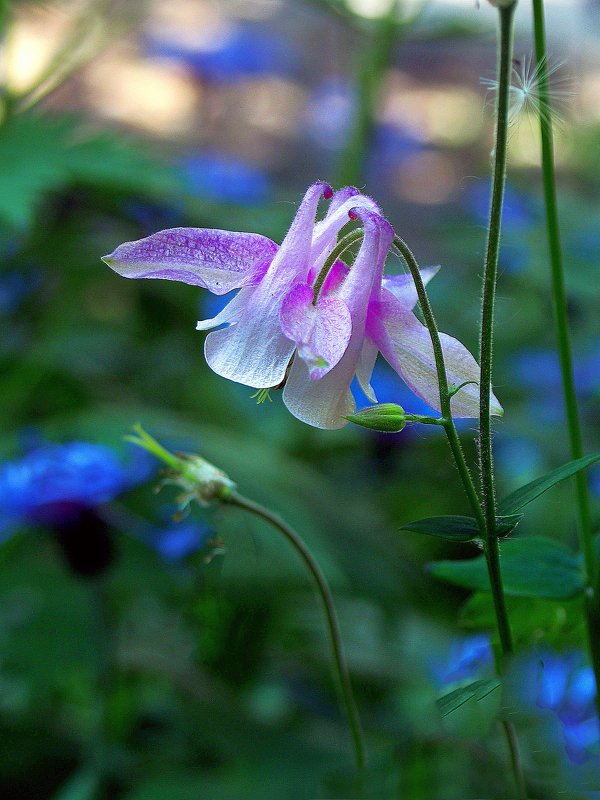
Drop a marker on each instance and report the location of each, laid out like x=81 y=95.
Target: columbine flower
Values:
x=283 y=330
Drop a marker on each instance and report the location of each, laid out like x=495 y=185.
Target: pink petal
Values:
x=324 y=403
x=216 y=260
x=405 y=343
x=364 y=368
x=321 y=332
x=403 y=286
x=326 y=231
x=254 y=351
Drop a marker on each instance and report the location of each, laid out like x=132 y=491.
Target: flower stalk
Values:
x=203 y=482
x=563 y=337
x=505 y=48
x=235 y=499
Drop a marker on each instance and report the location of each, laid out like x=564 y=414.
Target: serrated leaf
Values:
x=476 y=691
x=457 y=528
x=525 y=494
x=533 y=567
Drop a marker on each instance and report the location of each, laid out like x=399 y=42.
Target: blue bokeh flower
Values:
x=238 y=53
x=225 y=179
x=563 y=684
x=55 y=482
x=468 y=659
x=180 y=540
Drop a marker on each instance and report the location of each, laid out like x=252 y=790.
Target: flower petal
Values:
x=321 y=332
x=326 y=231
x=324 y=403
x=364 y=368
x=403 y=287
x=216 y=260
x=231 y=313
x=254 y=350
x=405 y=343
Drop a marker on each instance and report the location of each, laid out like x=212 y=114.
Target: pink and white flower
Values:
x=279 y=333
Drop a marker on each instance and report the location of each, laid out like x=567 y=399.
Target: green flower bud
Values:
x=386 y=417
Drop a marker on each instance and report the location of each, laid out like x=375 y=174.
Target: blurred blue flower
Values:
x=519 y=216
x=56 y=481
x=519 y=212
x=521 y=459
x=329 y=113
x=225 y=179
x=563 y=683
x=236 y=54
x=469 y=658
x=180 y=540
x=538 y=371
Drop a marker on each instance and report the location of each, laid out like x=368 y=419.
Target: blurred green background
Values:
x=204 y=672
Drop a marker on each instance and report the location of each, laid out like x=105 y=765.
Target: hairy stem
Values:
x=563 y=338
x=492 y=550
x=333 y=627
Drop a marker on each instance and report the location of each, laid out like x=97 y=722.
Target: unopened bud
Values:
x=386 y=417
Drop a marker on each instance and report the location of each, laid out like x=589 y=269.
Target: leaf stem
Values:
x=492 y=551
x=333 y=627
x=563 y=337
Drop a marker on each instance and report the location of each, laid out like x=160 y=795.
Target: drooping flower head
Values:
x=288 y=327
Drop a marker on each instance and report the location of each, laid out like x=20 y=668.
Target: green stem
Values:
x=445 y=396
x=370 y=73
x=563 y=337
x=487 y=325
x=468 y=484
x=324 y=591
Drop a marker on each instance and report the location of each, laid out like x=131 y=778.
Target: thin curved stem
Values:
x=487 y=323
x=563 y=337
x=333 y=627
x=445 y=398
x=344 y=243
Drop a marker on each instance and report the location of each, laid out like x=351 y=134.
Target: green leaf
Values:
x=477 y=691
x=533 y=567
x=457 y=528
x=40 y=153
x=534 y=621
x=525 y=494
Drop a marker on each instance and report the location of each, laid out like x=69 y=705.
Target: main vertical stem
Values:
x=563 y=338
x=492 y=550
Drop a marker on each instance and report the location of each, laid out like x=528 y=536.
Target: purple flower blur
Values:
x=287 y=329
